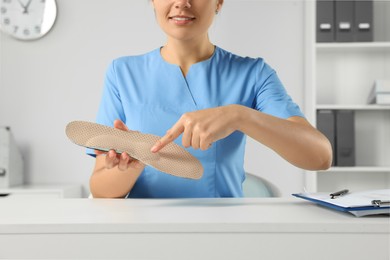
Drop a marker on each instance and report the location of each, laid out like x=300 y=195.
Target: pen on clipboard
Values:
x=338 y=193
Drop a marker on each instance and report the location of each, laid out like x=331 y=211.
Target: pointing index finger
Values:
x=169 y=137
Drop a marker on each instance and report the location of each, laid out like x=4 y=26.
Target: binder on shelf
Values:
x=380 y=93
x=345 y=138
x=344 y=20
x=363 y=203
x=363 y=31
x=326 y=124
x=325 y=21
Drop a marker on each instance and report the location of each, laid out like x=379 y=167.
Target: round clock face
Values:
x=27 y=19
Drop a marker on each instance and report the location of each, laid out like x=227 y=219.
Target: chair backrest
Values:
x=255 y=186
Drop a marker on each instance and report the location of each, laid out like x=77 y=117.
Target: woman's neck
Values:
x=185 y=54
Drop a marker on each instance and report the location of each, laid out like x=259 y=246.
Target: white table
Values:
x=270 y=229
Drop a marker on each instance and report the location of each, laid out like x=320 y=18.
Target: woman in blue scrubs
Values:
x=204 y=98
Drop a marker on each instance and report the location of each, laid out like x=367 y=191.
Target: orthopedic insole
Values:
x=172 y=159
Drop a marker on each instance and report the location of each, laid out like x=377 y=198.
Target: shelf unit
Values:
x=339 y=76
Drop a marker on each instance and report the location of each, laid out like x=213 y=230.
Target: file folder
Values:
x=361 y=203
x=381 y=99
x=325 y=21
x=326 y=124
x=363 y=29
x=344 y=20
x=380 y=93
x=345 y=138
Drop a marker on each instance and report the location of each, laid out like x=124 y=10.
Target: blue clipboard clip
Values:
x=379 y=203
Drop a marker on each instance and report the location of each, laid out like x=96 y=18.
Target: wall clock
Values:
x=27 y=19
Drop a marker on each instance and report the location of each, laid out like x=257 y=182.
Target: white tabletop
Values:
x=180 y=215
x=187 y=229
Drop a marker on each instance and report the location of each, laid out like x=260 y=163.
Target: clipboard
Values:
x=360 y=204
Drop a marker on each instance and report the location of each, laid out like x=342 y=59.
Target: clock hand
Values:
x=20 y=2
x=26 y=7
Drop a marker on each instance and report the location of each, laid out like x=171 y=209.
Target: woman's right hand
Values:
x=123 y=161
x=114 y=175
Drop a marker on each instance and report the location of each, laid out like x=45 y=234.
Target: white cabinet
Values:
x=42 y=191
x=339 y=76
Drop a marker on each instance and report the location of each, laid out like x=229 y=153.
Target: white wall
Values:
x=44 y=84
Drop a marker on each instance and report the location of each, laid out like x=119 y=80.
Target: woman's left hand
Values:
x=201 y=128
x=293 y=138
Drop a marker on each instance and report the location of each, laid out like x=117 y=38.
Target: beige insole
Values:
x=172 y=159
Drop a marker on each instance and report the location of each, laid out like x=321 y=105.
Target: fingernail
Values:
x=155 y=147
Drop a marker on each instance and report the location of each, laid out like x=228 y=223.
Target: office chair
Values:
x=255 y=186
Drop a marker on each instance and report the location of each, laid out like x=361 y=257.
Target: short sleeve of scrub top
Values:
x=150 y=95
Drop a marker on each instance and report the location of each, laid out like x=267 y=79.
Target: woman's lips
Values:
x=181 y=20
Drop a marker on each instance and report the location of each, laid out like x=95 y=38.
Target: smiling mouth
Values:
x=181 y=19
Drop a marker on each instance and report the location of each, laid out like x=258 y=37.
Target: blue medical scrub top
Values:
x=150 y=95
